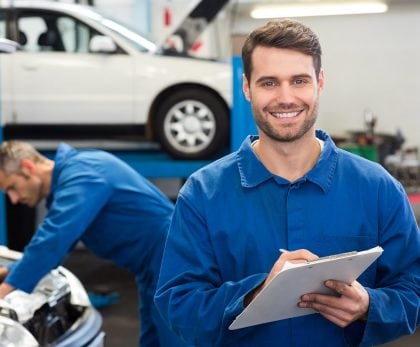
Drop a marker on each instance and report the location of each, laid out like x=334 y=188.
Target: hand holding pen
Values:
x=300 y=255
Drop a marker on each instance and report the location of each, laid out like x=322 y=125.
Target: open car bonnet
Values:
x=57 y=313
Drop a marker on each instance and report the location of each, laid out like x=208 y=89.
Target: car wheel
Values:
x=192 y=124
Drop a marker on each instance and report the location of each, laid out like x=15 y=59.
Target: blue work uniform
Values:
x=117 y=213
x=232 y=217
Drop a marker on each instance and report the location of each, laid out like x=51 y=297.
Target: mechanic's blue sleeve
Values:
x=191 y=296
x=75 y=205
x=395 y=302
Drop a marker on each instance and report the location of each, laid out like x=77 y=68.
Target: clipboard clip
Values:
x=335 y=256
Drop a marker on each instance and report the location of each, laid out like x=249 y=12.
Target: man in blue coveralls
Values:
x=94 y=197
x=289 y=187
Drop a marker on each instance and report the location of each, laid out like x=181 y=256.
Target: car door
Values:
x=58 y=80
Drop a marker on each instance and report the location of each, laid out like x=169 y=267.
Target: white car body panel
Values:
x=72 y=90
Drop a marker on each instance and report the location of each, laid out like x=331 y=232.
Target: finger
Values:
x=299 y=255
x=343 y=307
x=339 y=287
x=324 y=299
x=339 y=314
x=352 y=291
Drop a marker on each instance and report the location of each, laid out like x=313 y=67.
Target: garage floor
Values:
x=120 y=318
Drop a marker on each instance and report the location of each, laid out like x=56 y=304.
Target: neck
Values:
x=290 y=160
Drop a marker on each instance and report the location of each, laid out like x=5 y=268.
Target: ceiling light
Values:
x=318 y=9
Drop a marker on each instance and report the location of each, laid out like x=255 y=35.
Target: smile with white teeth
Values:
x=285 y=114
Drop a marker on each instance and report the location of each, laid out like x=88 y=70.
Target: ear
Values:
x=245 y=87
x=321 y=80
x=28 y=167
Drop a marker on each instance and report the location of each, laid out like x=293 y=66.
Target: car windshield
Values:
x=131 y=35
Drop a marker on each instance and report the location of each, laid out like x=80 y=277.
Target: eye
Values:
x=300 y=81
x=268 y=84
x=11 y=188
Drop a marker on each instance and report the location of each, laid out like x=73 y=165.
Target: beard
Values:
x=286 y=134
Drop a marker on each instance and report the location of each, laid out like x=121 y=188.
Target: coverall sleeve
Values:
x=191 y=296
x=77 y=200
x=395 y=302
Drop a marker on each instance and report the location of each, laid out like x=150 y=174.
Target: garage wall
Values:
x=135 y=14
x=370 y=61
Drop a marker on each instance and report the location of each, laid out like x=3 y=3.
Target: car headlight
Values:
x=12 y=334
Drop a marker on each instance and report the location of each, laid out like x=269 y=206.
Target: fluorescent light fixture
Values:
x=318 y=9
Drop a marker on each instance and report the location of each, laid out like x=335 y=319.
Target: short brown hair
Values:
x=12 y=153
x=283 y=33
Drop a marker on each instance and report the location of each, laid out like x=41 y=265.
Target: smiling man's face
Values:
x=284 y=93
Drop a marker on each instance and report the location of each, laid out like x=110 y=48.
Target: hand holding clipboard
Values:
x=278 y=300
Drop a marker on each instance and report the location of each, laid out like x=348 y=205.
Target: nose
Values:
x=13 y=196
x=284 y=94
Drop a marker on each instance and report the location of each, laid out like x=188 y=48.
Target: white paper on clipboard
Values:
x=279 y=299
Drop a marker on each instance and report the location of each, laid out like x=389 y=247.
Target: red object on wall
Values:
x=167 y=17
x=414 y=198
x=196 y=46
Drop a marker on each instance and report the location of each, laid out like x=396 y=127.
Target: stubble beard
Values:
x=286 y=136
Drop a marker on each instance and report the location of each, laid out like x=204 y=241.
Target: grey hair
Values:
x=12 y=153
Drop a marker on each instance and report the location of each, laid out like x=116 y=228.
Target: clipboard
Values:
x=280 y=298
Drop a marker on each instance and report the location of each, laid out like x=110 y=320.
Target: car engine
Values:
x=57 y=313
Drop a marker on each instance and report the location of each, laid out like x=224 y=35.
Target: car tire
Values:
x=192 y=124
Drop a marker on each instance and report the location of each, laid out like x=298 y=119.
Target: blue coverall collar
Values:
x=253 y=172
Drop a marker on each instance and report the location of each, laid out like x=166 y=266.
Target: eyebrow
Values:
x=265 y=78
x=293 y=77
x=305 y=75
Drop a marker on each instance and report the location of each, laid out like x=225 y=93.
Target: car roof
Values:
x=44 y=4
x=77 y=10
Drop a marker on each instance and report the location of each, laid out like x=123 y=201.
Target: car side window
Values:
x=29 y=30
x=3 y=25
x=75 y=35
x=47 y=31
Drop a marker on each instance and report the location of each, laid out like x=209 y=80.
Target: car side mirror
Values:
x=8 y=46
x=102 y=44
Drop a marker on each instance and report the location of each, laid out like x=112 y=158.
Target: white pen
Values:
x=282 y=250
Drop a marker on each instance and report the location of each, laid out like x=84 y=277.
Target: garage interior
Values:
x=370 y=106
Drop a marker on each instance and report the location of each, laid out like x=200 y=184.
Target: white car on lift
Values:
x=78 y=73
